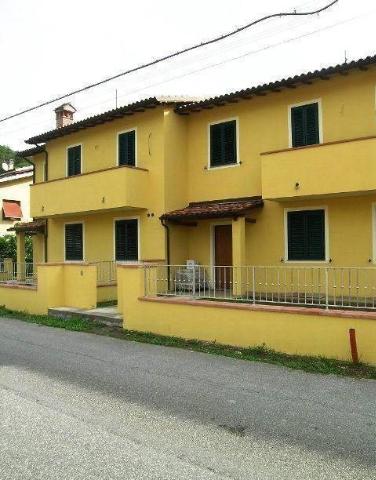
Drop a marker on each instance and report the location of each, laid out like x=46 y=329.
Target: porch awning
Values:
x=226 y=208
x=37 y=226
x=12 y=209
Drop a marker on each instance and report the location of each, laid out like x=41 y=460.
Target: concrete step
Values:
x=103 y=315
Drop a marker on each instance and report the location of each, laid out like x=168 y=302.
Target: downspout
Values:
x=46 y=180
x=167 y=228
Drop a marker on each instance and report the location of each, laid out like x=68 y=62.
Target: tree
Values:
x=8 y=248
x=6 y=154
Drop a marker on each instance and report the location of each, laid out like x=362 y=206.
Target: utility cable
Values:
x=172 y=55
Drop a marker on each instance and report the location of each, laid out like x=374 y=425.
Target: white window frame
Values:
x=286 y=236
x=138 y=218
x=83 y=242
x=66 y=159
x=134 y=129
x=301 y=104
x=238 y=162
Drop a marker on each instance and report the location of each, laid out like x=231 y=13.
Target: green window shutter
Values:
x=74 y=242
x=312 y=124
x=74 y=160
x=305 y=125
x=127 y=148
x=223 y=144
x=306 y=235
x=126 y=240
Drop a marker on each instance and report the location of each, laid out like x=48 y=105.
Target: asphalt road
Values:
x=78 y=406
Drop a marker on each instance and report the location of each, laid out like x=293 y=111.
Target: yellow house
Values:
x=282 y=173
x=262 y=196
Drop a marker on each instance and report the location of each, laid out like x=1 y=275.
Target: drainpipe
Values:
x=167 y=228
x=45 y=179
x=45 y=242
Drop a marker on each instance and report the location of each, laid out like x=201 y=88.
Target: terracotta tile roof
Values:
x=232 y=207
x=290 y=82
x=109 y=116
x=30 y=152
x=36 y=226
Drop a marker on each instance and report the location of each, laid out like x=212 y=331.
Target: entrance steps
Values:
x=104 y=315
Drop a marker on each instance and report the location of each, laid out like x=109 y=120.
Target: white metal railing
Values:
x=106 y=272
x=18 y=273
x=329 y=287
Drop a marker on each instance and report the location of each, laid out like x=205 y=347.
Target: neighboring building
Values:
x=279 y=173
x=15 y=197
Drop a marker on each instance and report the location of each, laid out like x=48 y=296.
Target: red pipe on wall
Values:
x=353 y=346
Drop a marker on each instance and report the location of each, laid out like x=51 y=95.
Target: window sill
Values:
x=220 y=167
x=310 y=262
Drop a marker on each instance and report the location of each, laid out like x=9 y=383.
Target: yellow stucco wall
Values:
x=348 y=111
x=292 y=333
x=69 y=285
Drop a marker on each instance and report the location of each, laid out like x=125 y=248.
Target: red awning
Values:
x=12 y=209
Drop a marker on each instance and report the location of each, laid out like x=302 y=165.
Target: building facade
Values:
x=278 y=174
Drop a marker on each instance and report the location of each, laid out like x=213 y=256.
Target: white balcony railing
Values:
x=327 y=287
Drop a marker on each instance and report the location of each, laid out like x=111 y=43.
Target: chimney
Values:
x=64 y=115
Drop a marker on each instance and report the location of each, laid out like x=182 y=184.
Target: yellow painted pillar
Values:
x=239 y=286
x=38 y=248
x=8 y=269
x=21 y=267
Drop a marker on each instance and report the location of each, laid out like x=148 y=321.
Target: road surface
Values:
x=80 y=406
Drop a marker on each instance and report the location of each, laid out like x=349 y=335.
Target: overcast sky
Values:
x=48 y=47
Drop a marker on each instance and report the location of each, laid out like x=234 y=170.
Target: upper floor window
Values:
x=127 y=148
x=223 y=144
x=74 y=242
x=306 y=235
x=305 y=128
x=74 y=160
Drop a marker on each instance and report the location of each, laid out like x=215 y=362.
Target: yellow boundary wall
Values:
x=70 y=285
x=292 y=330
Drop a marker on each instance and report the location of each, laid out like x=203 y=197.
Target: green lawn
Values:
x=253 y=354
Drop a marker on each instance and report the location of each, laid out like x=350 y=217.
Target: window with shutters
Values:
x=305 y=125
x=126 y=240
x=223 y=144
x=74 y=244
x=306 y=235
x=127 y=148
x=74 y=157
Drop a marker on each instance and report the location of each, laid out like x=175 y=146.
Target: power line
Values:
x=172 y=55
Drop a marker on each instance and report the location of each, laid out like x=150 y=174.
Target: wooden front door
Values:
x=223 y=256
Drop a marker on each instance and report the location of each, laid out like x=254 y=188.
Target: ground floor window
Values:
x=126 y=240
x=74 y=245
x=306 y=235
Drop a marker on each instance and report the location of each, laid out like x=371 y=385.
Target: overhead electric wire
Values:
x=171 y=55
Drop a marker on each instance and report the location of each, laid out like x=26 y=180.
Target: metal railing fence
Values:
x=19 y=273
x=329 y=287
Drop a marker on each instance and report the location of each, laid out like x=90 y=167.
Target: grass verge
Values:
x=255 y=354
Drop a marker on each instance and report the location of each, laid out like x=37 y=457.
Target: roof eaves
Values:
x=95 y=120
x=290 y=82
